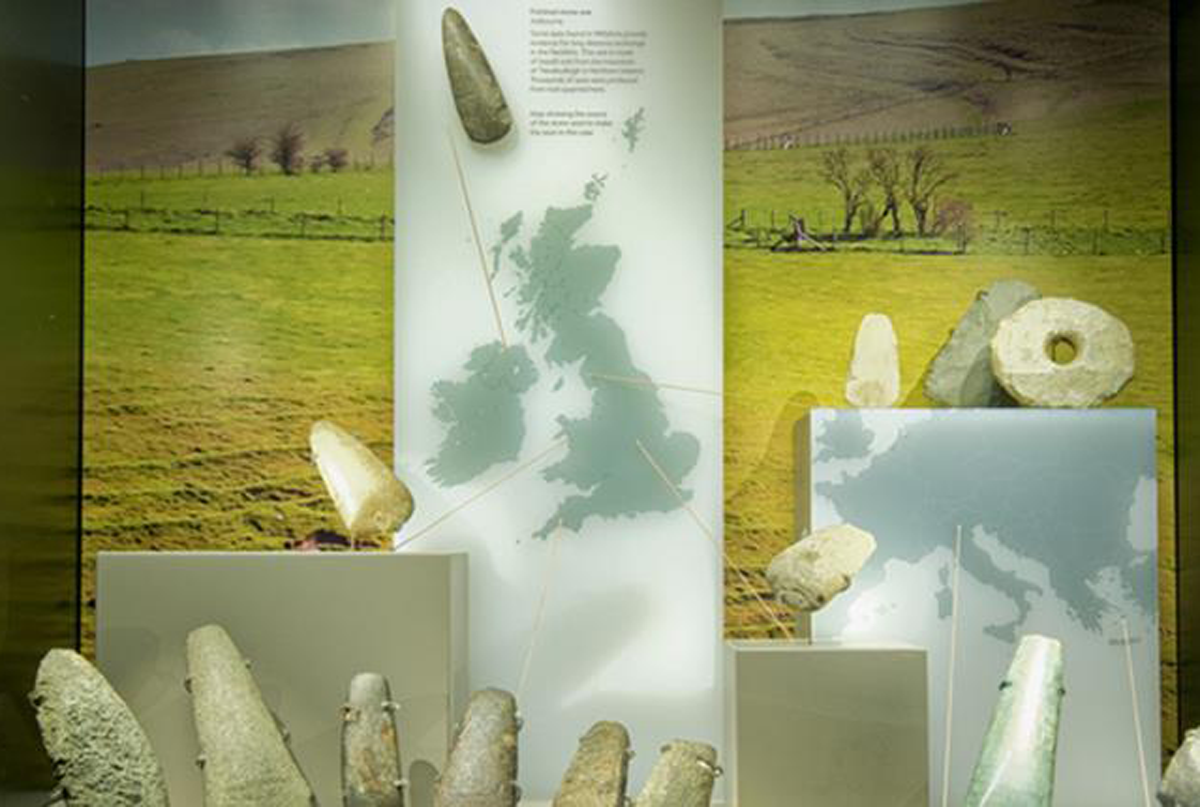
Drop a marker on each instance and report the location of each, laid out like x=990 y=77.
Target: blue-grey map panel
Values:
x=1058 y=511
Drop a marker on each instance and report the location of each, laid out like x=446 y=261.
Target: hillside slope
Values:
x=172 y=111
x=1009 y=60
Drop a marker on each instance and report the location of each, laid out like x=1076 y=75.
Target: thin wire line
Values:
x=711 y=537
x=642 y=382
x=1137 y=716
x=950 y=673
x=551 y=567
x=483 y=264
x=428 y=528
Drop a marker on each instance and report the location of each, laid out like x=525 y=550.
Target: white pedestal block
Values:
x=826 y=725
x=307 y=622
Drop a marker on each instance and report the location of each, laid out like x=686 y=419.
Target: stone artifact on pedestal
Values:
x=372 y=773
x=1057 y=352
x=961 y=375
x=243 y=755
x=477 y=95
x=815 y=569
x=1016 y=764
x=874 y=379
x=371 y=501
x=1181 y=783
x=99 y=752
x=682 y=777
x=599 y=770
x=481 y=770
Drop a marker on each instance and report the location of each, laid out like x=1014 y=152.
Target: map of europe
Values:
x=559 y=286
x=1058 y=517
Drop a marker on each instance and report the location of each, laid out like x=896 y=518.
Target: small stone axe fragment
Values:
x=1181 y=783
x=477 y=95
x=100 y=753
x=682 y=777
x=371 y=501
x=244 y=756
x=372 y=774
x=599 y=770
x=482 y=767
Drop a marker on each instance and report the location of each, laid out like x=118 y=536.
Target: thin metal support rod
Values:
x=539 y=614
x=949 y=728
x=431 y=526
x=483 y=264
x=704 y=528
x=1137 y=715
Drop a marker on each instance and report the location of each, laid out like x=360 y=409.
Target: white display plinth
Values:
x=307 y=622
x=826 y=725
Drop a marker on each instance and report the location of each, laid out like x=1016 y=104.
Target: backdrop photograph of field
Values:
x=238 y=261
x=893 y=159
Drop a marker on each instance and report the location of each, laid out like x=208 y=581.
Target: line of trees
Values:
x=874 y=187
x=285 y=149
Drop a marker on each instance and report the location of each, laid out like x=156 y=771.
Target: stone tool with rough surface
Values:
x=815 y=569
x=101 y=755
x=371 y=501
x=1016 y=765
x=682 y=777
x=477 y=95
x=961 y=375
x=1096 y=362
x=372 y=774
x=1181 y=783
x=482 y=767
x=874 y=378
x=599 y=770
x=244 y=757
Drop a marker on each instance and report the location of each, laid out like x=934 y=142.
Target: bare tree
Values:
x=852 y=183
x=337 y=159
x=245 y=153
x=885 y=170
x=287 y=149
x=927 y=173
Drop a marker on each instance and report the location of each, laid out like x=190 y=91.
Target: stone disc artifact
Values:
x=481 y=770
x=1016 y=763
x=961 y=374
x=244 y=758
x=599 y=770
x=682 y=777
x=1032 y=354
x=874 y=379
x=100 y=753
x=372 y=774
x=818 y=567
x=477 y=95
x=369 y=498
x=1181 y=783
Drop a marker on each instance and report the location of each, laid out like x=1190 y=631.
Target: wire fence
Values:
x=994 y=233
x=801 y=139
x=244 y=223
x=214 y=167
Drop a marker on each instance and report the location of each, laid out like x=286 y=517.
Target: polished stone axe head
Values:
x=481 y=105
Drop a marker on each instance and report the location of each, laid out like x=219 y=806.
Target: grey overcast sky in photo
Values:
x=119 y=30
x=808 y=8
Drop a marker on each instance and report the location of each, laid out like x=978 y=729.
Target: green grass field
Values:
x=207 y=359
x=790 y=319
x=351 y=193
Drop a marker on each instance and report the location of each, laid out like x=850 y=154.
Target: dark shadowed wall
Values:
x=41 y=135
x=1187 y=319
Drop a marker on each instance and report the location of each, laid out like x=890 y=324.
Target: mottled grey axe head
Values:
x=481 y=105
x=100 y=753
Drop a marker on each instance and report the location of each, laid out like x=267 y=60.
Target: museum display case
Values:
x=757 y=402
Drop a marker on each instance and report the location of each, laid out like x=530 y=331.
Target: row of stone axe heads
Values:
x=102 y=756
